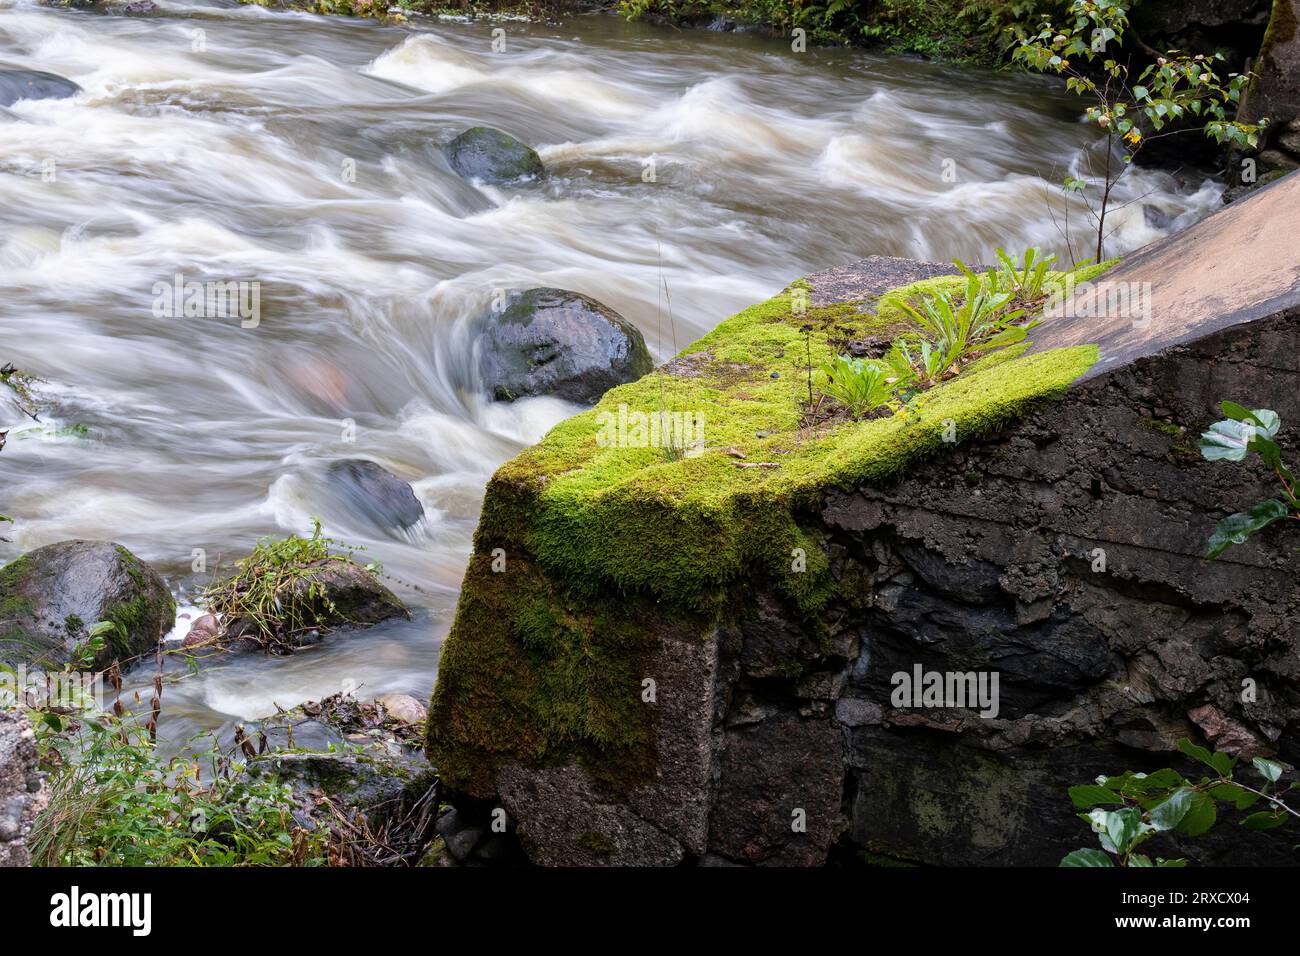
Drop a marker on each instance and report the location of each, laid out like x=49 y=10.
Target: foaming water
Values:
x=303 y=153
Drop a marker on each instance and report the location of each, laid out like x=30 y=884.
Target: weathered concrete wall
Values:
x=22 y=788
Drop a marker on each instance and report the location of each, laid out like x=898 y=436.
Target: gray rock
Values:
x=23 y=793
x=1288 y=138
x=491 y=156
x=375 y=492
x=1275 y=91
x=18 y=85
x=459 y=834
x=403 y=708
x=51 y=596
x=554 y=342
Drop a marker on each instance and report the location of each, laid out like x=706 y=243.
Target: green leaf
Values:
x=1201 y=815
x=1236 y=528
x=1264 y=820
x=1137 y=859
x=1195 y=751
x=1227 y=440
x=1169 y=813
x=1239 y=797
x=1271 y=770
x=1122 y=826
x=1265 y=418
x=1091 y=795
x=1141 y=92
x=1166 y=863
x=1087 y=858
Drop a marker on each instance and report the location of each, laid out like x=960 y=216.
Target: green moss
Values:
x=13 y=573
x=73 y=625
x=526 y=677
x=609 y=544
x=596 y=843
x=639 y=519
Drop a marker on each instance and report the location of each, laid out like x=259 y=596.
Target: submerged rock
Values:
x=18 y=85
x=555 y=342
x=491 y=156
x=375 y=492
x=50 y=597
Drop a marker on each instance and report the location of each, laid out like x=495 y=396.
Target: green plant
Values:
x=1232 y=439
x=277 y=592
x=954 y=330
x=1146 y=805
x=1176 y=87
x=114 y=801
x=1025 y=280
x=859 y=385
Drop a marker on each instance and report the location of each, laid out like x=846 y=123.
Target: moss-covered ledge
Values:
x=588 y=550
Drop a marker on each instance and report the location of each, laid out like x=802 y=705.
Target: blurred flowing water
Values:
x=225 y=142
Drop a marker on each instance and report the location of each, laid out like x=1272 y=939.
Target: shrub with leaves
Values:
x=1232 y=439
x=1177 y=88
x=115 y=802
x=1128 y=810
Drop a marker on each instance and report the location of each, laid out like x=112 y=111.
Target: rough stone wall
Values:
x=22 y=788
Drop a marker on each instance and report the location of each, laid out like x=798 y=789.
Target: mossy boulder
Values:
x=608 y=553
x=488 y=155
x=561 y=343
x=50 y=597
x=18 y=85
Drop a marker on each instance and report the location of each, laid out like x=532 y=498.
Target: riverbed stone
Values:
x=18 y=85
x=491 y=156
x=403 y=708
x=51 y=596
x=372 y=490
x=560 y=343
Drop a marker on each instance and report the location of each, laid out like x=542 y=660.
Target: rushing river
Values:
x=225 y=142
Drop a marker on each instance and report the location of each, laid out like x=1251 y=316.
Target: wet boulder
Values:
x=560 y=343
x=18 y=85
x=373 y=491
x=50 y=597
x=488 y=155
